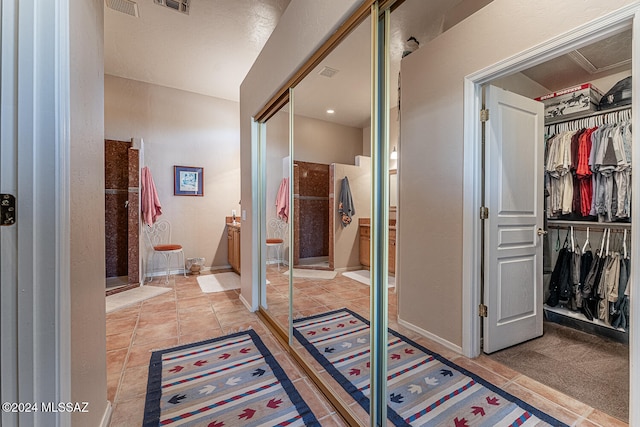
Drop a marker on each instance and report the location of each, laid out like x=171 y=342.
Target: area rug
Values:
x=133 y=296
x=219 y=282
x=228 y=381
x=423 y=387
x=308 y=273
x=364 y=276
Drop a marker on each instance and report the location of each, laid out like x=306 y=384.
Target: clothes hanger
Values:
x=573 y=242
x=586 y=242
x=604 y=235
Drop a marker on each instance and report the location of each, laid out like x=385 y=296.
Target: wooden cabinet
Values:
x=364 y=231
x=365 y=242
x=233 y=247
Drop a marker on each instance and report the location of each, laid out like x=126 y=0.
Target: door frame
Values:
x=35 y=265
x=624 y=18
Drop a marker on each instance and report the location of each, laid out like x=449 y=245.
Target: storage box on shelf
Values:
x=571 y=101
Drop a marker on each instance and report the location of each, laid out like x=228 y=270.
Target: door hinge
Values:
x=482 y=310
x=7 y=209
x=484 y=115
x=484 y=212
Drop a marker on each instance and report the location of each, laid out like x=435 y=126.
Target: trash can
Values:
x=194 y=265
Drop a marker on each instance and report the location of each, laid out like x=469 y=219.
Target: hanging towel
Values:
x=282 y=200
x=151 y=208
x=346 y=208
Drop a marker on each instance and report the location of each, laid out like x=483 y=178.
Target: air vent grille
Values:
x=125 y=6
x=177 y=5
x=328 y=72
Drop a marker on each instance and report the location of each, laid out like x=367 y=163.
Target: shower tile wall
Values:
x=121 y=210
x=311 y=193
x=134 y=216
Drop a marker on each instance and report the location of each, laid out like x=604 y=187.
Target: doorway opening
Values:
x=517 y=286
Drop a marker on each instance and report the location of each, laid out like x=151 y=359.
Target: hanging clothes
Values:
x=282 y=200
x=345 y=206
x=588 y=173
x=150 y=203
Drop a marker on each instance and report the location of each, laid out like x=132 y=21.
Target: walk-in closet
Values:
x=583 y=351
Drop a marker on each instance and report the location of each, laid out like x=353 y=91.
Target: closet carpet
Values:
x=589 y=368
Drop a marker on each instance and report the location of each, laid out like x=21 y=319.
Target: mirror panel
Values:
x=275 y=296
x=332 y=195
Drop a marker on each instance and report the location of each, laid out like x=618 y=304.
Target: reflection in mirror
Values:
x=332 y=197
x=275 y=295
x=393 y=190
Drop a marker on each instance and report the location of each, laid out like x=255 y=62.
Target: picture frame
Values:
x=188 y=181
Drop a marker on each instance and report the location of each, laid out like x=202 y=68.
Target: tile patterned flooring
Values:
x=186 y=315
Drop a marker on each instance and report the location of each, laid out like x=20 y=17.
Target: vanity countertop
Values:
x=366 y=222
x=230 y=223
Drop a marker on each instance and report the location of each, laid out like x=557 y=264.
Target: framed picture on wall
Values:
x=188 y=181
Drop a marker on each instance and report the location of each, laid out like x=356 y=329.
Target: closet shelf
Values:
x=586 y=115
x=560 y=223
x=579 y=316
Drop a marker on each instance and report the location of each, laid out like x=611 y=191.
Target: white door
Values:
x=514 y=195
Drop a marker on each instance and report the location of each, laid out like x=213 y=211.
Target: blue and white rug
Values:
x=424 y=388
x=228 y=381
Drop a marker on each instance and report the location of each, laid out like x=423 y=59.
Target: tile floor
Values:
x=186 y=315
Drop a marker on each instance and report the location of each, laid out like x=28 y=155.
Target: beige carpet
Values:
x=307 y=273
x=589 y=368
x=133 y=296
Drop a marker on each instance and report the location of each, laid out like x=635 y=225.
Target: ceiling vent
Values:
x=177 y=5
x=125 y=6
x=328 y=72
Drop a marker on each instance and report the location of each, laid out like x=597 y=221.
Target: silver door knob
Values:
x=542 y=232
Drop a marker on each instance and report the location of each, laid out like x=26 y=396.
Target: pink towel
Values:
x=151 y=208
x=282 y=200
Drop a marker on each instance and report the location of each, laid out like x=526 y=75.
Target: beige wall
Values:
x=301 y=30
x=431 y=180
x=185 y=129
x=346 y=244
x=87 y=252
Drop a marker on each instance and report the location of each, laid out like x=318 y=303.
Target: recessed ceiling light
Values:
x=330 y=111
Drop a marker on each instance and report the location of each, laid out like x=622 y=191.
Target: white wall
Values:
x=185 y=129
x=88 y=324
x=431 y=180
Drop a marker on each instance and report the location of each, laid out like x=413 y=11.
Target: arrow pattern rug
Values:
x=423 y=388
x=228 y=381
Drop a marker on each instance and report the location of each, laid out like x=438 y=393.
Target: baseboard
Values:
x=175 y=272
x=432 y=337
x=246 y=304
x=106 y=418
x=343 y=269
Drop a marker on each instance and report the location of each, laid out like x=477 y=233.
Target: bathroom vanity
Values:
x=233 y=244
x=364 y=230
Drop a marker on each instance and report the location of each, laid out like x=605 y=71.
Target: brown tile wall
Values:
x=311 y=216
x=121 y=220
x=116 y=239
x=116 y=159
x=134 y=217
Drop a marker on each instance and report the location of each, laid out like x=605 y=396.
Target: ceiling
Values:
x=600 y=59
x=208 y=51
x=211 y=50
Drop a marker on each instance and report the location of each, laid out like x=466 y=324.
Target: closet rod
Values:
x=614 y=227
x=587 y=115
